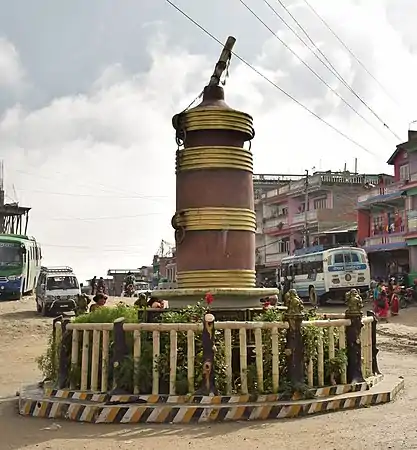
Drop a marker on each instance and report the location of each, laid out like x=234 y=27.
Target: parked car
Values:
x=57 y=290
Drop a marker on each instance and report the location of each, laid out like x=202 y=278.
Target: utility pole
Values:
x=306 y=202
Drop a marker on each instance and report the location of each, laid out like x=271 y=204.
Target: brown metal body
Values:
x=214 y=182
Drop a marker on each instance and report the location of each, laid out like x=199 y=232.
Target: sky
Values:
x=88 y=90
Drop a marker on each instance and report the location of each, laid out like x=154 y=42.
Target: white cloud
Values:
x=11 y=71
x=109 y=147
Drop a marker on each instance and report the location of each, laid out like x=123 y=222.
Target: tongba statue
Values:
x=354 y=302
x=293 y=302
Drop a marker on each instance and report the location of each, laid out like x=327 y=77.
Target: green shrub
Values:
x=109 y=315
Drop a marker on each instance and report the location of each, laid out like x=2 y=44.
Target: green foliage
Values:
x=109 y=315
x=333 y=367
x=336 y=365
x=191 y=314
x=130 y=373
x=48 y=362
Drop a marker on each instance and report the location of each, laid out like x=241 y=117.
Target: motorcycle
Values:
x=402 y=295
x=129 y=290
x=407 y=297
x=101 y=290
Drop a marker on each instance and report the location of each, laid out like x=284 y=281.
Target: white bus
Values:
x=328 y=274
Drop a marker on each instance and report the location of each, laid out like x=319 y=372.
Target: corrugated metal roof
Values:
x=340 y=229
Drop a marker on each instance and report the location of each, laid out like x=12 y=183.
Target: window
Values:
x=404 y=172
x=10 y=254
x=320 y=203
x=352 y=257
x=65 y=282
x=309 y=268
x=377 y=225
x=302 y=208
x=347 y=258
x=283 y=246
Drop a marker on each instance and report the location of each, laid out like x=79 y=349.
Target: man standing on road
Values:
x=101 y=286
x=93 y=284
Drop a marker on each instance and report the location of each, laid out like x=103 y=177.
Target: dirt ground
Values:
x=23 y=337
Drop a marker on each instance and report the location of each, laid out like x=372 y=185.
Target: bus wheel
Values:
x=312 y=296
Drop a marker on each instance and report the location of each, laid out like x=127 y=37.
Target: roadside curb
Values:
x=202 y=399
x=34 y=404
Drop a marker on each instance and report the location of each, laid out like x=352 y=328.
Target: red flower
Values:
x=266 y=305
x=209 y=298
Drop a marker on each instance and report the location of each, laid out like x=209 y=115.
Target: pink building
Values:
x=287 y=223
x=387 y=218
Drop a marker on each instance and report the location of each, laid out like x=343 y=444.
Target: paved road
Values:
x=392 y=426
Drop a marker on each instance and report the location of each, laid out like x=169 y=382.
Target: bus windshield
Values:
x=10 y=254
x=61 y=283
x=348 y=257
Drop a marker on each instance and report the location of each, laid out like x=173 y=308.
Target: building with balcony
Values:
x=387 y=219
x=319 y=210
x=262 y=184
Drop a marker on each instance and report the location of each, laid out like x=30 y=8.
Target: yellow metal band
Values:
x=216 y=278
x=214 y=157
x=199 y=219
x=213 y=118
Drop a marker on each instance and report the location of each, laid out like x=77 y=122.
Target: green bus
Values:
x=20 y=264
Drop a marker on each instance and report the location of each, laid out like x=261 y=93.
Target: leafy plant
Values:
x=109 y=315
x=132 y=373
x=48 y=362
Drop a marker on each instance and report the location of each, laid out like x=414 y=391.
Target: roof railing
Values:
x=57 y=269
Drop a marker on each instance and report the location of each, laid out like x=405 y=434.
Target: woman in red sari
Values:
x=395 y=301
x=381 y=305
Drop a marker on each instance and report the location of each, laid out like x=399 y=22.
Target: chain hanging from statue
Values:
x=179 y=229
x=226 y=72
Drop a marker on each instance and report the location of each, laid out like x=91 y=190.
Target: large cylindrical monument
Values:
x=215 y=220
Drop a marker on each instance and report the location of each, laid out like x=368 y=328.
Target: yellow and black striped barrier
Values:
x=61 y=404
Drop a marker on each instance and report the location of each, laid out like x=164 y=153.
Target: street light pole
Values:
x=306 y=201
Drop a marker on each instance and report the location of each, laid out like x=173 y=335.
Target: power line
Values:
x=94 y=249
x=81 y=219
x=104 y=188
x=350 y=51
x=329 y=64
x=308 y=66
x=69 y=194
x=267 y=245
x=357 y=144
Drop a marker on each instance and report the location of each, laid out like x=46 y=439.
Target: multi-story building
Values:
x=387 y=218
x=262 y=184
x=165 y=271
x=308 y=211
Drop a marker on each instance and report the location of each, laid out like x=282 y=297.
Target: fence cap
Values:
x=209 y=317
